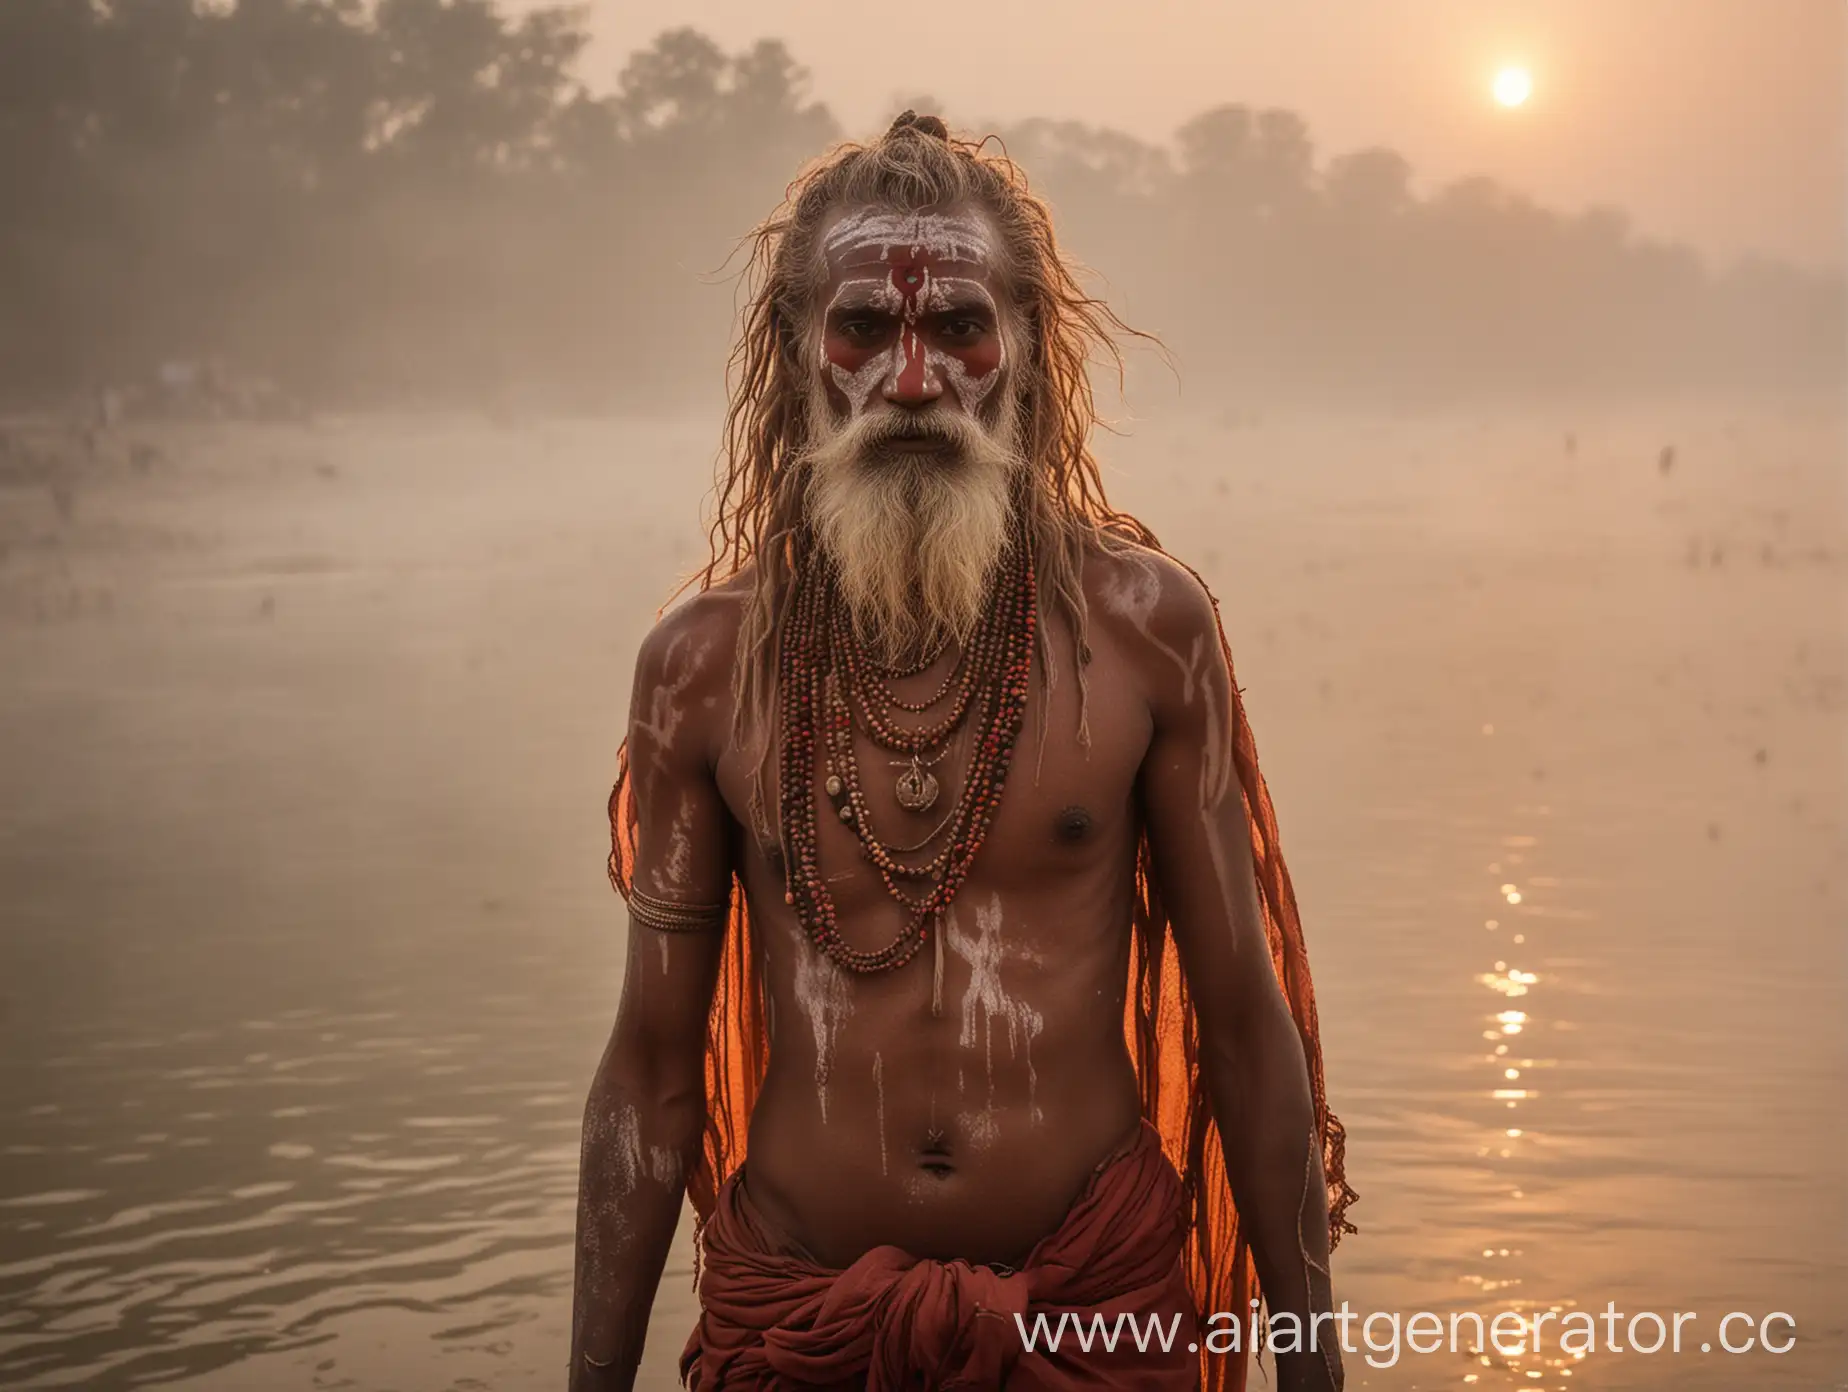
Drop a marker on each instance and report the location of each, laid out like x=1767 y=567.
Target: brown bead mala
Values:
x=828 y=687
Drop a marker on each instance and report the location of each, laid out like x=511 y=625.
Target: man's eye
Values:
x=857 y=330
x=963 y=328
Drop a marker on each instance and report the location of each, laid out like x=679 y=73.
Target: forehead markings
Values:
x=944 y=236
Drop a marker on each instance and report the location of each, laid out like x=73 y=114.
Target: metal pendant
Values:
x=917 y=788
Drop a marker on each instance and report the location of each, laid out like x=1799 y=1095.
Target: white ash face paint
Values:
x=984 y=953
x=970 y=391
x=825 y=996
x=882 y=370
x=942 y=294
x=948 y=236
x=869 y=239
x=858 y=387
x=869 y=292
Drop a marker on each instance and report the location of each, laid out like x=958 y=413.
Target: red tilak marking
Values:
x=909 y=277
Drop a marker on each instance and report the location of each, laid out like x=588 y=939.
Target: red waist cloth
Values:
x=771 y=1318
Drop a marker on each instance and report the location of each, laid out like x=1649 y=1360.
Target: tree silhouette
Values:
x=424 y=199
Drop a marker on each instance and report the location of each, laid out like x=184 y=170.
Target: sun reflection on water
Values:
x=1509 y=1150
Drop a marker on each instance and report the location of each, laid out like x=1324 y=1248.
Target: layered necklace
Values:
x=829 y=686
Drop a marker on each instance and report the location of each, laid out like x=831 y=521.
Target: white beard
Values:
x=915 y=538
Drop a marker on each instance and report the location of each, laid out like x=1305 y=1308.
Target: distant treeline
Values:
x=423 y=201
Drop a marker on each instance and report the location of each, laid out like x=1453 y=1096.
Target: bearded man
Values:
x=954 y=889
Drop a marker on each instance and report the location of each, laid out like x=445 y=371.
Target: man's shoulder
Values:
x=1147 y=596
x=693 y=642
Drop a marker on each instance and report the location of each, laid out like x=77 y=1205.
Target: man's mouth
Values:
x=917 y=444
x=917 y=440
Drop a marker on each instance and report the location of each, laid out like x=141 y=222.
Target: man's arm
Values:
x=645 y=1119
x=1252 y=1057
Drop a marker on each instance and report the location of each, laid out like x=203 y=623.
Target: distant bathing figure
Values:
x=953 y=883
x=1665 y=461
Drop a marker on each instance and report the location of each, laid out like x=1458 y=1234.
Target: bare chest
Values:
x=1066 y=814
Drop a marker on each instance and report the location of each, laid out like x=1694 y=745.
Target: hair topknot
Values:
x=923 y=125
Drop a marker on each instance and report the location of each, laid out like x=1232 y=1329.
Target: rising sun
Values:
x=1513 y=86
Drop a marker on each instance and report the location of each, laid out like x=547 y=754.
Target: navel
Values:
x=934 y=1156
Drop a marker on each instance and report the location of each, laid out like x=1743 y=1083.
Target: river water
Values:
x=308 y=953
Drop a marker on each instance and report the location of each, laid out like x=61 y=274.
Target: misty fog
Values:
x=427 y=203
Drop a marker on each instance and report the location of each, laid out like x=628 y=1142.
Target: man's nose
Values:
x=913 y=383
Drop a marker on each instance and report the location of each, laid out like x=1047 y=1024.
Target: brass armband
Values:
x=676 y=918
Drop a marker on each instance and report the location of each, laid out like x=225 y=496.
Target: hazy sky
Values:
x=1723 y=122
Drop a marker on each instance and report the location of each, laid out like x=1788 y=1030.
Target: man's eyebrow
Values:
x=960 y=294
x=869 y=292
x=962 y=299
x=944 y=267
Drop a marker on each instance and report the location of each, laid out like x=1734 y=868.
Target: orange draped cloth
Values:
x=1159 y=1024
x=771 y=1318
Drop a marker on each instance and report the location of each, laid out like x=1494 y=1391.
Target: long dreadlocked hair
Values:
x=1056 y=331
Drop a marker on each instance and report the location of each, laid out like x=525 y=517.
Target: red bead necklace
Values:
x=828 y=687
